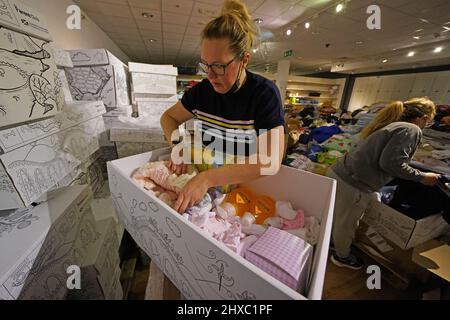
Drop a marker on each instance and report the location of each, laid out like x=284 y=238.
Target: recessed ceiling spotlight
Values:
x=437 y=50
x=254 y=50
x=339 y=7
x=424 y=20
x=384 y=60
x=258 y=20
x=152 y=40
x=147 y=15
x=288 y=32
x=411 y=54
x=307 y=25
x=417 y=37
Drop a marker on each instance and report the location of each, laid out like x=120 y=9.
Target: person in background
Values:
x=387 y=146
x=231 y=98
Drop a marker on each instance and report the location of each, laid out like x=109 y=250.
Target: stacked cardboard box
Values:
x=30 y=88
x=100 y=265
x=38 y=156
x=154 y=89
x=98 y=75
x=62 y=61
x=38 y=244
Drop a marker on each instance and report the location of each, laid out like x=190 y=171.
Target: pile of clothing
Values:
x=218 y=218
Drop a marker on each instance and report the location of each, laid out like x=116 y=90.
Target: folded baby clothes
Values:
x=296 y=223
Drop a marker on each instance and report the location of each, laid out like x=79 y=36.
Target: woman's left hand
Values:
x=192 y=193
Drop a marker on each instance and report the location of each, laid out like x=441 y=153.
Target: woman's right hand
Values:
x=430 y=179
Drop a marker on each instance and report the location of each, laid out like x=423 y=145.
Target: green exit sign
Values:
x=288 y=53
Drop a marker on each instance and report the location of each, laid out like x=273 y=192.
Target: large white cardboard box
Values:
x=73 y=114
x=92 y=84
x=18 y=16
x=158 y=84
x=198 y=265
x=153 y=68
x=29 y=84
x=402 y=230
x=62 y=57
x=38 y=244
x=32 y=170
x=102 y=57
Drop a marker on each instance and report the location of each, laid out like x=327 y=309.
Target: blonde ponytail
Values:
x=391 y=113
x=406 y=111
x=234 y=24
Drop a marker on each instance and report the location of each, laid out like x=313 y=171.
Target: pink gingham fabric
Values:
x=283 y=256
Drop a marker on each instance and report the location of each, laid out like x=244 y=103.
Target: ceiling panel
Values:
x=175 y=19
x=148 y=4
x=272 y=8
x=148 y=25
x=172 y=36
x=155 y=16
x=176 y=6
x=88 y=6
x=114 y=10
x=253 y=4
x=205 y=10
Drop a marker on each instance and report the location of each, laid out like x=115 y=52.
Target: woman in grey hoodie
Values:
x=387 y=146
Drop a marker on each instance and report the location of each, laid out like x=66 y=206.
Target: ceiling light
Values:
x=424 y=20
x=339 y=7
x=152 y=40
x=417 y=37
x=384 y=60
x=411 y=54
x=258 y=20
x=147 y=15
x=359 y=42
x=307 y=25
x=437 y=50
x=288 y=32
x=254 y=50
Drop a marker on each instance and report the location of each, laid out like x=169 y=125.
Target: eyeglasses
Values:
x=217 y=68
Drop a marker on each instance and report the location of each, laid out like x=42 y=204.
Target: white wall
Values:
x=89 y=37
x=368 y=90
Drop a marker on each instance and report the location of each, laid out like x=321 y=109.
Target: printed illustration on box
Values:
x=29 y=84
x=17 y=16
x=38 y=166
x=82 y=140
x=39 y=251
x=89 y=57
x=204 y=276
x=198 y=265
x=73 y=114
x=92 y=84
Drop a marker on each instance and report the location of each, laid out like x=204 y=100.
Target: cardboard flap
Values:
x=283 y=249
